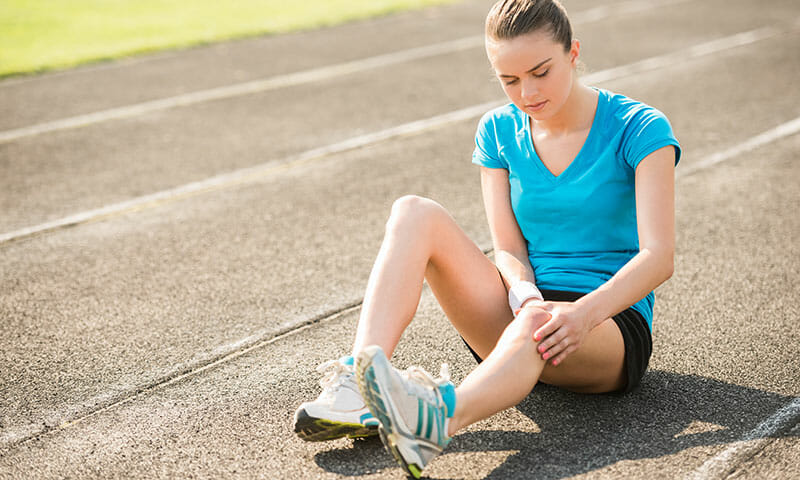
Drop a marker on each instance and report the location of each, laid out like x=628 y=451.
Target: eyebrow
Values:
x=532 y=69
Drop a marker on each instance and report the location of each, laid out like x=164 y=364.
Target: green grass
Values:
x=37 y=35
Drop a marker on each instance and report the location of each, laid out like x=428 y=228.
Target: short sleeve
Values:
x=647 y=131
x=486 y=153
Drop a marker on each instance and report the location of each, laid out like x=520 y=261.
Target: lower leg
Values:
x=514 y=366
x=501 y=381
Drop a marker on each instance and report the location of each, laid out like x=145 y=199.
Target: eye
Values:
x=540 y=75
x=510 y=82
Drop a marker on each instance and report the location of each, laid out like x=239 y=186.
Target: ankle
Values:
x=453 y=425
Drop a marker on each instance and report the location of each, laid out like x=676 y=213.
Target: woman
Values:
x=578 y=186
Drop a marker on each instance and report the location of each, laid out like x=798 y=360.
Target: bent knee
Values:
x=414 y=205
x=413 y=211
x=520 y=331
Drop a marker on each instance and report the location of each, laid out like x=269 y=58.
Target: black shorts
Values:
x=635 y=333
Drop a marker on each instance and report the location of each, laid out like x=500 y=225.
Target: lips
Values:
x=535 y=107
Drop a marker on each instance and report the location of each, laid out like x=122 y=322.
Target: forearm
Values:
x=514 y=267
x=642 y=274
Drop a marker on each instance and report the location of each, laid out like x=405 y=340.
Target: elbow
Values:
x=669 y=268
x=662 y=264
x=667 y=265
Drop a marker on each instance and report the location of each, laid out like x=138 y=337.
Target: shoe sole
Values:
x=313 y=429
x=403 y=446
x=390 y=443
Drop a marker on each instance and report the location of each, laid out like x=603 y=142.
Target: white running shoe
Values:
x=413 y=408
x=339 y=410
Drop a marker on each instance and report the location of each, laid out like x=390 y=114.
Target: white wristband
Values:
x=520 y=292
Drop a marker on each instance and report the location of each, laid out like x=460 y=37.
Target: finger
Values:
x=550 y=341
x=556 y=349
x=547 y=329
x=561 y=356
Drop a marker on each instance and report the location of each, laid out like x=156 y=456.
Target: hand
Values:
x=531 y=302
x=535 y=309
x=563 y=333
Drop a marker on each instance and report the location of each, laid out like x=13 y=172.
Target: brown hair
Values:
x=511 y=18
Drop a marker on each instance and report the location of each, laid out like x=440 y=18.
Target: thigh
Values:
x=598 y=366
x=467 y=285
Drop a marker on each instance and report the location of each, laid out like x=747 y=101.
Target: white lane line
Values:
x=92 y=66
x=240 y=89
x=782 y=130
x=256 y=172
x=304 y=77
x=250 y=174
x=723 y=464
x=696 y=51
x=124 y=394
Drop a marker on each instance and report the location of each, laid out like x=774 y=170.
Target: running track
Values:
x=159 y=217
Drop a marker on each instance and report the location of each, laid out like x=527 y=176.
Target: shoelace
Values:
x=429 y=388
x=335 y=373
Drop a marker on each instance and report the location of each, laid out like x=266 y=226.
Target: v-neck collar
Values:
x=572 y=165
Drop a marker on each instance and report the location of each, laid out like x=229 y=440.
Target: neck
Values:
x=576 y=114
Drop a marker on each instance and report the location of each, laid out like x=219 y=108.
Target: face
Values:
x=534 y=71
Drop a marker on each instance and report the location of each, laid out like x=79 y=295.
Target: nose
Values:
x=529 y=89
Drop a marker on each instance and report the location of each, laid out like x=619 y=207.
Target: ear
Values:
x=574 y=52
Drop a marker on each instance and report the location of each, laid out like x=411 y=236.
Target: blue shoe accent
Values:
x=367 y=419
x=449 y=396
x=347 y=360
x=412 y=407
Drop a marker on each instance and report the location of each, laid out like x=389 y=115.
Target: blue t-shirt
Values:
x=580 y=226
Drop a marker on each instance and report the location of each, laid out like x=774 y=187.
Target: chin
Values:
x=544 y=114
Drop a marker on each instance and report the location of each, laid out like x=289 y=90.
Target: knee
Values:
x=520 y=331
x=412 y=212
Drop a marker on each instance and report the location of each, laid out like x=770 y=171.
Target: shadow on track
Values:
x=668 y=413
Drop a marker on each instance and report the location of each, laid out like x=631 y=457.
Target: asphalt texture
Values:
x=177 y=338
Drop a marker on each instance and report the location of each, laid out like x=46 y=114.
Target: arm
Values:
x=511 y=250
x=652 y=266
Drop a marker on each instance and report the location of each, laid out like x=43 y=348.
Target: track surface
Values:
x=168 y=336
